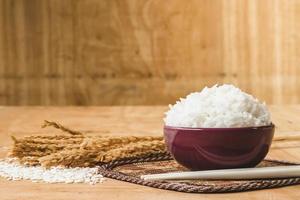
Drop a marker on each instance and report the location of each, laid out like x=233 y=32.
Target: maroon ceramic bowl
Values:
x=218 y=148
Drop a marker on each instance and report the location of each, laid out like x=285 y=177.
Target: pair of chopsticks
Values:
x=244 y=173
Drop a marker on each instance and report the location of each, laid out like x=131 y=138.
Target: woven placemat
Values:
x=131 y=169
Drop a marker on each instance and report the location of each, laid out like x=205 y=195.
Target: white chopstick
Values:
x=243 y=173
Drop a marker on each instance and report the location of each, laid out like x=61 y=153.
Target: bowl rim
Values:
x=216 y=129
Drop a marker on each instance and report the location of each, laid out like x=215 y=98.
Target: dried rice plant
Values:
x=79 y=150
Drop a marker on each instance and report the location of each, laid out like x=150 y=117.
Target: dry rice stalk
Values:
x=39 y=150
x=59 y=126
x=30 y=146
x=30 y=141
x=30 y=161
x=50 y=137
x=92 y=157
x=70 y=158
x=79 y=150
x=36 y=146
x=134 y=149
x=86 y=153
x=116 y=141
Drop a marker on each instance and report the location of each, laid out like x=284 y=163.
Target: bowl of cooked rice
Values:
x=218 y=128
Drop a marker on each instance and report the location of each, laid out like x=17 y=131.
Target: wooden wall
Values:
x=133 y=52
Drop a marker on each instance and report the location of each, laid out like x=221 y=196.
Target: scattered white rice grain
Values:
x=218 y=107
x=12 y=170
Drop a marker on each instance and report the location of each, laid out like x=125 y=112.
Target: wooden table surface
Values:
x=20 y=121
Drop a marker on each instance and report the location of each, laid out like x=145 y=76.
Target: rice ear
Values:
x=14 y=138
x=61 y=127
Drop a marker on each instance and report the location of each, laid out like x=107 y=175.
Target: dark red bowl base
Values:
x=218 y=148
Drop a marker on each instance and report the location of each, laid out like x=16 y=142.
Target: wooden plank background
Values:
x=133 y=52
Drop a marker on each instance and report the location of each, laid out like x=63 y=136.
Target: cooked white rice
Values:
x=221 y=106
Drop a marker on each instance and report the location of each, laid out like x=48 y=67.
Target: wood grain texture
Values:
x=120 y=120
x=136 y=52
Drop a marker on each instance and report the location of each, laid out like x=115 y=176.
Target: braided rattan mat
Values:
x=130 y=170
